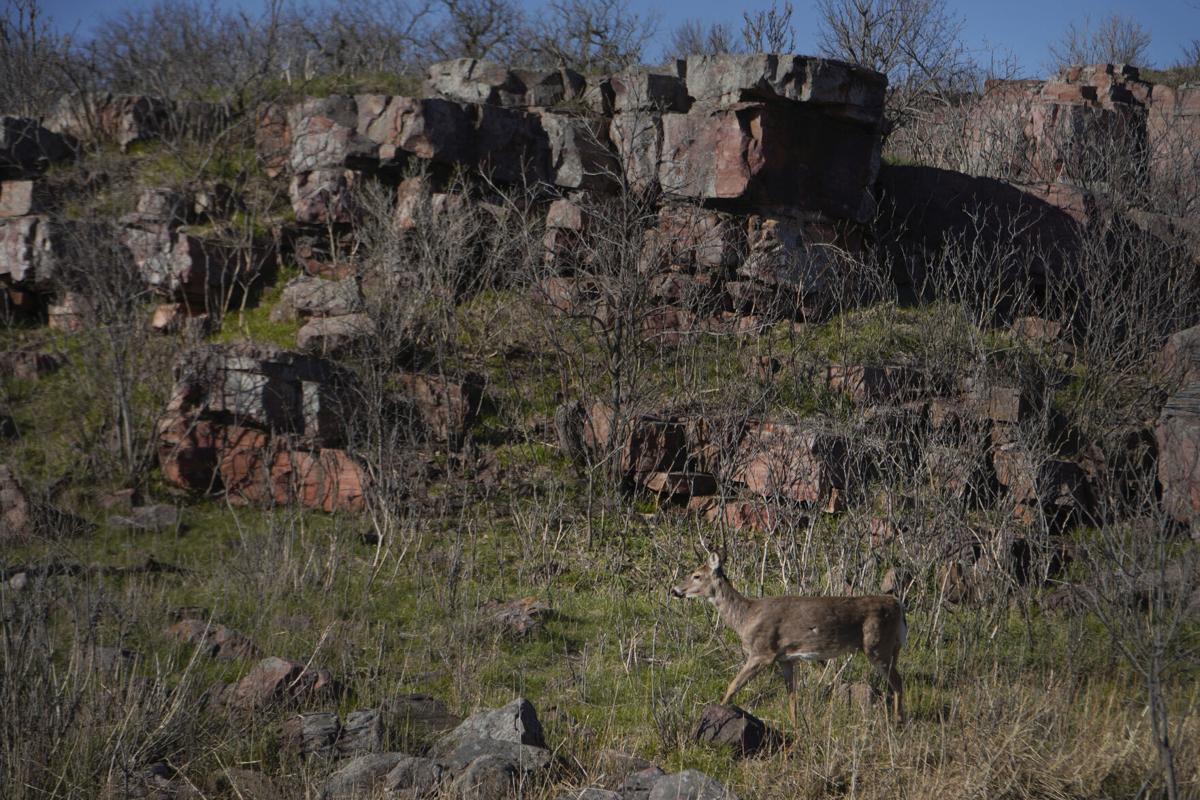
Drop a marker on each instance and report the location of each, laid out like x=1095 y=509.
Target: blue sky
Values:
x=1024 y=27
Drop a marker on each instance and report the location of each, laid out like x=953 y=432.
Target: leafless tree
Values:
x=1115 y=40
x=916 y=43
x=769 y=30
x=493 y=29
x=32 y=58
x=592 y=35
x=693 y=38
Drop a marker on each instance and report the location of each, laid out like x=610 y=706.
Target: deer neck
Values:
x=731 y=605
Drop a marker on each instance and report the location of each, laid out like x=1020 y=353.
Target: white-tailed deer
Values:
x=783 y=630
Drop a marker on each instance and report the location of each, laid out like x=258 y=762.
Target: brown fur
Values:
x=783 y=629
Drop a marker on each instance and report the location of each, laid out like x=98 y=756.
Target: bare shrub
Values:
x=1113 y=40
x=916 y=43
x=769 y=30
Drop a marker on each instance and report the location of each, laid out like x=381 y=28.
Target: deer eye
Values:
x=696 y=577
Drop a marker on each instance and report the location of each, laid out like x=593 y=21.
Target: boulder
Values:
x=580 y=154
x=324 y=135
x=272 y=139
x=638 y=140
x=215 y=640
x=23 y=198
x=71 y=312
x=488 y=777
x=307 y=296
x=689 y=785
x=413 y=777
x=106 y=117
x=418 y=204
x=198 y=271
x=277 y=680
x=516 y=722
x=762 y=154
x=875 y=384
x=359 y=777
x=253 y=421
x=843 y=90
x=475 y=80
x=431 y=129
x=1178 y=436
x=30 y=250
x=732 y=727
x=637 y=785
x=796 y=462
x=447 y=408
x=642 y=90
x=362 y=733
x=27 y=149
x=311 y=734
x=266 y=387
x=323 y=196
x=333 y=336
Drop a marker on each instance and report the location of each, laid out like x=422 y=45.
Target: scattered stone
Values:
x=305 y=297
x=689 y=785
x=590 y=794
x=488 y=777
x=1178 y=436
x=413 y=777
x=362 y=733
x=71 y=313
x=218 y=641
x=328 y=337
x=360 y=776
x=313 y=733
x=447 y=407
x=637 y=785
x=518 y=618
x=244 y=784
x=23 y=198
x=732 y=727
x=277 y=680
x=515 y=722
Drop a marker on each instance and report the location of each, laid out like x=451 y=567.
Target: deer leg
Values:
x=789 y=683
x=752 y=667
x=886 y=667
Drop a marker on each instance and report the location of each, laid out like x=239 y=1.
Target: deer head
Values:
x=703 y=580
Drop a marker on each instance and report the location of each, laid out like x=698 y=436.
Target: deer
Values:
x=787 y=629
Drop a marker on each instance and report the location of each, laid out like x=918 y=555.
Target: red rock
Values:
x=218 y=641
x=120 y=118
x=272 y=139
x=638 y=139
x=770 y=155
x=646 y=444
x=276 y=680
x=884 y=384
x=447 y=408
x=29 y=251
x=72 y=312
x=332 y=336
x=784 y=460
x=1178 y=436
x=324 y=196
x=22 y=198
x=680 y=484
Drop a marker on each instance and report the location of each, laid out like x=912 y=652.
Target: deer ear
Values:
x=714 y=561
